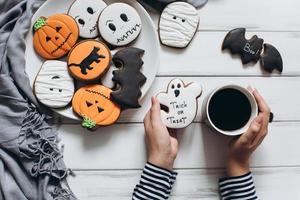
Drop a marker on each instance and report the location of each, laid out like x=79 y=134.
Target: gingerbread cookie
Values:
x=119 y=24
x=178 y=24
x=129 y=77
x=236 y=43
x=86 y=14
x=180 y=103
x=88 y=60
x=54 y=36
x=53 y=86
x=94 y=104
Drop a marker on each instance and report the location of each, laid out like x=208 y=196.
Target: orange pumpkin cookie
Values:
x=54 y=36
x=88 y=60
x=94 y=104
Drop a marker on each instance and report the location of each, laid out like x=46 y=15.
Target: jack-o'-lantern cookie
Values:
x=54 y=36
x=88 y=60
x=94 y=104
x=119 y=24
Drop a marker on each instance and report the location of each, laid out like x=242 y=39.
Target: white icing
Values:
x=54 y=92
x=181 y=101
x=178 y=24
x=86 y=14
x=114 y=29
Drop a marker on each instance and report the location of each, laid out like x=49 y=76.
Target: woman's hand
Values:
x=241 y=148
x=162 y=143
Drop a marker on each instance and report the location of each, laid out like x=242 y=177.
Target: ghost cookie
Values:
x=178 y=24
x=86 y=14
x=179 y=103
x=119 y=24
x=53 y=86
x=94 y=104
x=54 y=36
x=88 y=60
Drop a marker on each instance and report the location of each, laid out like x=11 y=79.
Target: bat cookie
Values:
x=271 y=59
x=88 y=60
x=236 y=43
x=178 y=24
x=86 y=14
x=119 y=24
x=54 y=36
x=179 y=103
x=94 y=104
x=128 y=77
x=53 y=86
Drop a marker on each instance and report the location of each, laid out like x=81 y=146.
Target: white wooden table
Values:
x=108 y=162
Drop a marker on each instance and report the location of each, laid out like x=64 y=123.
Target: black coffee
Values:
x=229 y=109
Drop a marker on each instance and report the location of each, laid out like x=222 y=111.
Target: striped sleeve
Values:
x=239 y=187
x=155 y=183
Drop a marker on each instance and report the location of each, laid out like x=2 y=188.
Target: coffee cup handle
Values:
x=271 y=117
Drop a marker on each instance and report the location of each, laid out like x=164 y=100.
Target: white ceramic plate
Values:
x=147 y=40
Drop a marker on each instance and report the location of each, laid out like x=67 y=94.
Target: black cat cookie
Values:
x=248 y=50
x=128 y=77
x=88 y=60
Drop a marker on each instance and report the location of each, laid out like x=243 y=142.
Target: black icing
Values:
x=81 y=21
x=271 y=59
x=124 y=17
x=90 y=10
x=236 y=43
x=128 y=77
x=85 y=64
x=112 y=27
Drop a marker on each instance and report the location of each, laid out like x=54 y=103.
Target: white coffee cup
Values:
x=254 y=110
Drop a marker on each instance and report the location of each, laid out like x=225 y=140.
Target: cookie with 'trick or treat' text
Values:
x=86 y=14
x=178 y=24
x=128 y=77
x=248 y=50
x=94 y=104
x=179 y=103
x=119 y=24
x=54 y=36
x=88 y=60
x=53 y=86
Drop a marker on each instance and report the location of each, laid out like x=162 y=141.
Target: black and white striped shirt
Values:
x=156 y=184
x=239 y=187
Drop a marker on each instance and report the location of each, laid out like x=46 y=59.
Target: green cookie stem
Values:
x=42 y=21
x=88 y=123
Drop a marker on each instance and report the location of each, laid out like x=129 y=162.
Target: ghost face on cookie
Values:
x=86 y=14
x=119 y=24
x=178 y=24
x=181 y=103
x=53 y=86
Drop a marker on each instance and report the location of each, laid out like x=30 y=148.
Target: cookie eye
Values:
x=112 y=27
x=124 y=17
x=88 y=104
x=178 y=85
x=183 y=20
x=60 y=90
x=96 y=101
x=174 y=17
x=51 y=89
x=81 y=21
x=90 y=10
x=58 y=28
x=48 y=39
x=172 y=86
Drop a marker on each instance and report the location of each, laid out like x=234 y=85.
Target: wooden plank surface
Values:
x=271 y=183
x=122 y=146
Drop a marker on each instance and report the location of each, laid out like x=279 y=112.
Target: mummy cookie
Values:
x=119 y=24
x=86 y=14
x=53 y=86
x=128 y=77
x=94 y=104
x=178 y=24
x=54 y=36
x=88 y=60
x=180 y=103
